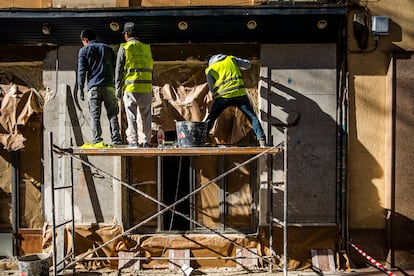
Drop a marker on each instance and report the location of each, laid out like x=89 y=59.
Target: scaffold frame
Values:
x=255 y=152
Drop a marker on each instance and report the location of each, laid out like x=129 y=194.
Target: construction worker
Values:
x=96 y=62
x=225 y=81
x=133 y=83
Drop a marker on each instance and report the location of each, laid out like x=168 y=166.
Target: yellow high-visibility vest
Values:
x=229 y=82
x=138 y=67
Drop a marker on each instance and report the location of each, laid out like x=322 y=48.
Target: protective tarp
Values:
x=207 y=250
x=181 y=94
x=87 y=239
x=21 y=126
x=18 y=103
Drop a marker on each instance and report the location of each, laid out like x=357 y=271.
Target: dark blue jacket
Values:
x=96 y=61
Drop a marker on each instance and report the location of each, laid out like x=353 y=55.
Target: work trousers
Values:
x=105 y=95
x=241 y=102
x=139 y=117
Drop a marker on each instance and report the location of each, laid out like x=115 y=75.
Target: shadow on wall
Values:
x=305 y=119
x=312 y=151
x=88 y=176
x=403 y=243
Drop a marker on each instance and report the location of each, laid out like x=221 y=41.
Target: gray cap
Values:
x=216 y=58
x=129 y=28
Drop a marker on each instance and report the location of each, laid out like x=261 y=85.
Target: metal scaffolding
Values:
x=69 y=261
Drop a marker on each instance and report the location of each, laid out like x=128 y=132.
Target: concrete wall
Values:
x=303 y=94
x=67 y=118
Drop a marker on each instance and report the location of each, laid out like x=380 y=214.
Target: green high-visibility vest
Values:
x=138 y=67
x=229 y=82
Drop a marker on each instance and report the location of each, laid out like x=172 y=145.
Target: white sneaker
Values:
x=262 y=142
x=132 y=146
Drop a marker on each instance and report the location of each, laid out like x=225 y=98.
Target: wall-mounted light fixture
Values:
x=114 y=26
x=46 y=29
x=360 y=29
x=251 y=25
x=182 y=25
x=321 y=24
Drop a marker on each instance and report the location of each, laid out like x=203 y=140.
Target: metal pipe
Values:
x=222 y=193
x=270 y=168
x=15 y=199
x=392 y=166
x=170 y=258
x=73 y=209
x=285 y=204
x=52 y=182
x=52 y=189
x=270 y=207
x=160 y=219
x=345 y=230
x=192 y=177
x=128 y=211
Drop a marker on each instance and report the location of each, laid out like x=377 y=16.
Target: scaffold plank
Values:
x=172 y=151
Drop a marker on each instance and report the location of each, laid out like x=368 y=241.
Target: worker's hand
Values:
x=81 y=94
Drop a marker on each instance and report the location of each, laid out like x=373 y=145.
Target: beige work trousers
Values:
x=139 y=117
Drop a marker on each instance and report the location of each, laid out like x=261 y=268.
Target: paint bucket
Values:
x=191 y=134
x=34 y=264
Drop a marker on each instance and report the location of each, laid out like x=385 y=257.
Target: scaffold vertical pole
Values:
x=52 y=189
x=270 y=208
x=285 y=204
x=72 y=194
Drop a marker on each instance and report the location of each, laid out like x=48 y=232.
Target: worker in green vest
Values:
x=133 y=83
x=225 y=81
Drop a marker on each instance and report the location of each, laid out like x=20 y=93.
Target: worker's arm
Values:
x=210 y=82
x=82 y=69
x=244 y=64
x=119 y=71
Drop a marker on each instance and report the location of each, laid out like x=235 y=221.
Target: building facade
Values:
x=336 y=74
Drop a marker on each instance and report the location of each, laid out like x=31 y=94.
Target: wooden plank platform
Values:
x=173 y=151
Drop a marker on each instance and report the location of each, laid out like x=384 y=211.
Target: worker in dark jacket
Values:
x=96 y=62
x=225 y=81
x=133 y=82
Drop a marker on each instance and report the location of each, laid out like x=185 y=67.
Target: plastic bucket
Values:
x=191 y=134
x=34 y=265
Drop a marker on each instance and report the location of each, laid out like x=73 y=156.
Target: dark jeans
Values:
x=106 y=95
x=243 y=104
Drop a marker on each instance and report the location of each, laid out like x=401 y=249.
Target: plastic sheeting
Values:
x=20 y=124
x=18 y=104
x=207 y=250
x=181 y=94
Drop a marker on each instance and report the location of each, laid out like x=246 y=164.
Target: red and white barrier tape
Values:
x=373 y=261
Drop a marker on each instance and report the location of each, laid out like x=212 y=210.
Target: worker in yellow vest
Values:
x=133 y=83
x=225 y=81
